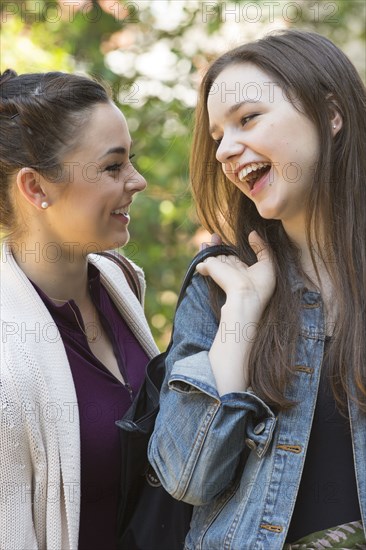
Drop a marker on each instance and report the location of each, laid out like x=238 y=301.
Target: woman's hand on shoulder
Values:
x=241 y=282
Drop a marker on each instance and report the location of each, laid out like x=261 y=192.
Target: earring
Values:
x=334 y=126
x=44 y=205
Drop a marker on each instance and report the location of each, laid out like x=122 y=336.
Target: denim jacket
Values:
x=231 y=457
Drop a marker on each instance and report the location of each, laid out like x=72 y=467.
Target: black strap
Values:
x=134 y=283
x=129 y=272
x=140 y=417
x=217 y=250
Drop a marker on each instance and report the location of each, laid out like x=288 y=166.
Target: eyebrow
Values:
x=118 y=150
x=233 y=110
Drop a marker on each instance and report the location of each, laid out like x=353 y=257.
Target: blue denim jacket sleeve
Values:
x=199 y=436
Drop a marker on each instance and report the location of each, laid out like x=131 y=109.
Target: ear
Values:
x=30 y=185
x=335 y=115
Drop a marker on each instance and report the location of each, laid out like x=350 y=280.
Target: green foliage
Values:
x=152 y=53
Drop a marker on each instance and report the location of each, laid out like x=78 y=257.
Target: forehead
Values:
x=106 y=127
x=240 y=82
x=107 y=119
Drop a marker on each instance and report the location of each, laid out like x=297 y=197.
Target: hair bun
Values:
x=7 y=75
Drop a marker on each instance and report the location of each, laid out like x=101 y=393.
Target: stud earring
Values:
x=334 y=126
x=44 y=205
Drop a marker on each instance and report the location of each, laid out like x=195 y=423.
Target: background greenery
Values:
x=153 y=53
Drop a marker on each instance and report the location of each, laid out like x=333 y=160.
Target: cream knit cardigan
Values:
x=39 y=422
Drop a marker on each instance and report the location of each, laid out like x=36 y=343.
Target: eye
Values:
x=247 y=118
x=218 y=141
x=131 y=156
x=114 y=167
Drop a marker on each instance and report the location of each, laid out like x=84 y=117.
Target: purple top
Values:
x=102 y=399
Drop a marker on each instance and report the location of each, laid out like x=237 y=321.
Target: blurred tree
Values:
x=152 y=53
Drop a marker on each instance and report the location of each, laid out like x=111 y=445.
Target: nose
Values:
x=135 y=182
x=230 y=149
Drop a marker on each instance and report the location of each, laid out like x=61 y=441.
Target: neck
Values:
x=318 y=276
x=296 y=231
x=60 y=272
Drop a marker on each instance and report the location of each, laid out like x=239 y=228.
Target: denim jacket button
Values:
x=251 y=444
x=259 y=428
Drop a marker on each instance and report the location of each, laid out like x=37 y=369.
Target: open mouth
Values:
x=253 y=172
x=121 y=214
x=122 y=211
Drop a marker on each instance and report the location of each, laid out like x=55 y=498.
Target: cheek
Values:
x=129 y=173
x=228 y=170
x=91 y=173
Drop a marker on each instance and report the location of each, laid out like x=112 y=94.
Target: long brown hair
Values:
x=312 y=69
x=41 y=115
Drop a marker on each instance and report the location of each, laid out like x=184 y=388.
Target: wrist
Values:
x=244 y=309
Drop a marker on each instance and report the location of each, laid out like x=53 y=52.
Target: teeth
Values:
x=249 y=168
x=120 y=211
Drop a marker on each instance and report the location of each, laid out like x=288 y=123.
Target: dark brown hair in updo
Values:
x=41 y=117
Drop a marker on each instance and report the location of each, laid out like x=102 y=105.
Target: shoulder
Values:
x=197 y=296
x=195 y=318
x=19 y=299
x=139 y=272
x=114 y=272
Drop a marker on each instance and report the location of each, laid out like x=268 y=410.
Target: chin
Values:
x=270 y=211
x=268 y=214
x=121 y=241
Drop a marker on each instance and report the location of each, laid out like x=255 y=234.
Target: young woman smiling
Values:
x=75 y=339
x=262 y=422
